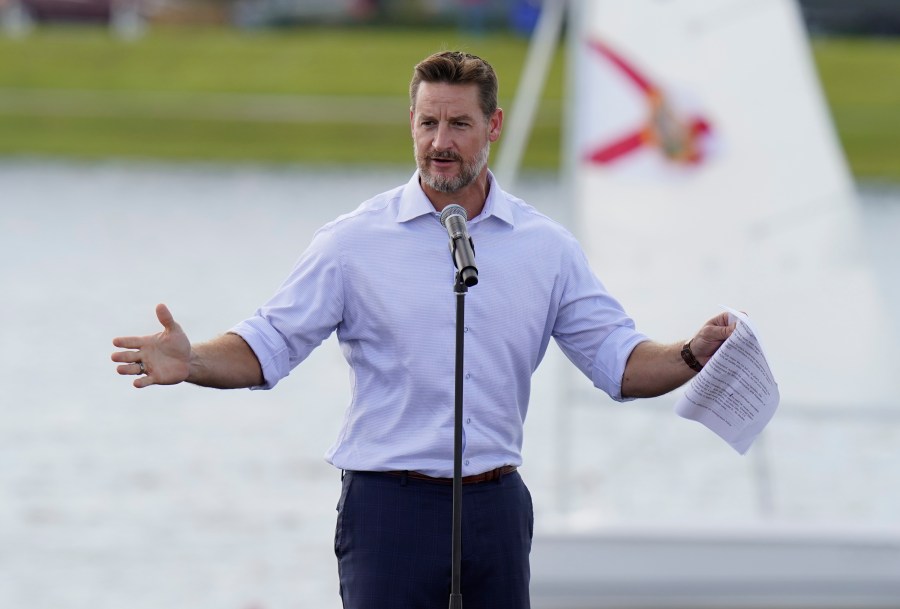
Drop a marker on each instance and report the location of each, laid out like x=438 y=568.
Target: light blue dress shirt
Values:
x=382 y=277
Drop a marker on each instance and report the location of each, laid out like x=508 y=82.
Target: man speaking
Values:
x=382 y=278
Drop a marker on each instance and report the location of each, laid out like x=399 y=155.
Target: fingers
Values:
x=723 y=332
x=136 y=342
x=729 y=329
x=131 y=369
x=165 y=317
x=143 y=381
x=711 y=336
x=151 y=358
x=136 y=368
x=716 y=333
x=125 y=356
x=719 y=320
x=134 y=362
x=718 y=328
x=130 y=342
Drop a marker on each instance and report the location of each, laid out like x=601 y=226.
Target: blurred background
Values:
x=261 y=80
x=184 y=151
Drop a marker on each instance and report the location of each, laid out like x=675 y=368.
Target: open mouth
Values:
x=442 y=162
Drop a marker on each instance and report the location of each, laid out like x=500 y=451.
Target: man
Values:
x=382 y=278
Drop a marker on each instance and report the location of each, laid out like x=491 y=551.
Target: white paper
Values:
x=735 y=395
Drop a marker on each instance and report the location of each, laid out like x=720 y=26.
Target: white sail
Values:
x=707 y=172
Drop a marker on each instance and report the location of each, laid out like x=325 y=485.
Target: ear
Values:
x=412 y=115
x=495 y=125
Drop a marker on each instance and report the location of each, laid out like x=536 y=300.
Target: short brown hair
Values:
x=457 y=68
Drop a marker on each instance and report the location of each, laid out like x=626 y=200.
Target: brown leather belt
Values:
x=494 y=474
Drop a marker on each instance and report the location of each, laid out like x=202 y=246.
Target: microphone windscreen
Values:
x=453 y=210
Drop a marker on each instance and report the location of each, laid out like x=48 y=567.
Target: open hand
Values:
x=158 y=359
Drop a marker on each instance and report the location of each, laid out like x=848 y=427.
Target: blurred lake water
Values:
x=194 y=498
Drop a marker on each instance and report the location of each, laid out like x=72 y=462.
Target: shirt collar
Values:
x=414 y=202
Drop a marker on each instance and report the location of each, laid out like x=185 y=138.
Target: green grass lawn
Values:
x=79 y=92
x=322 y=95
x=861 y=79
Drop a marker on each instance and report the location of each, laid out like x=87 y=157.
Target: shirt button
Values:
x=468 y=376
x=467 y=461
x=469 y=420
x=466 y=329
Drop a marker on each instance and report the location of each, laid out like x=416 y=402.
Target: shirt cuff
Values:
x=268 y=346
x=609 y=365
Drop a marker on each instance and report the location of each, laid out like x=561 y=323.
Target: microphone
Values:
x=453 y=218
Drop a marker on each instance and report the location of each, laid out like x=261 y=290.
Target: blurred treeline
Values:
x=331 y=90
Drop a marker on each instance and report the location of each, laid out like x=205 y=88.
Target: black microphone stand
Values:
x=453 y=218
x=460 y=289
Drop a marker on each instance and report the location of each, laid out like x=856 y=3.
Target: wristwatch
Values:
x=688 y=356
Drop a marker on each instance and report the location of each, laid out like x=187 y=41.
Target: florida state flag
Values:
x=707 y=172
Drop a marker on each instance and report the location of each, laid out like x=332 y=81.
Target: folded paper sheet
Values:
x=735 y=395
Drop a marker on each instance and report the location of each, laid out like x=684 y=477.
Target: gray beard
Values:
x=467 y=173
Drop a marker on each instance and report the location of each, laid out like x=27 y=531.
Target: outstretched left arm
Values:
x=654 y=369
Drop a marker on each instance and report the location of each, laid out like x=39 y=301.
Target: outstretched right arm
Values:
x=167 y=358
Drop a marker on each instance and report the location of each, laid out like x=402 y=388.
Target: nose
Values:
x=442 y=140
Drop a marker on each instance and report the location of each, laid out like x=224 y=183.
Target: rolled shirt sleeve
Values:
x=592 y=328
x=612 y=356
x=302 y=313
x=268 y=345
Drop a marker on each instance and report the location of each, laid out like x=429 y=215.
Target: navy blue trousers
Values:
x=394 y=535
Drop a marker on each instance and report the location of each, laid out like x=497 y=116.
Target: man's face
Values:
x=451 y=137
